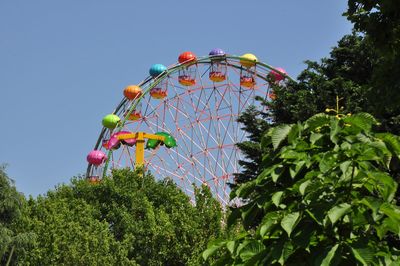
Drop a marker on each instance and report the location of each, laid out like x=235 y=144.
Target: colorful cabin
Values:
x=248 y=60
x=218 y=70
x=96 y=158
x=135 y=115
x=247 y=75
x=110 y=121
x=277 y=75
x=114 y=143
x=187 y=75
x=169 y=141
x=186 y=57
x=217 y=54
x=94 y=179
x=217 y=73
x=247 y=79
x=110 y=146
x=132 y=92
x=158 y=93
x=156 y=70
x=160 y=90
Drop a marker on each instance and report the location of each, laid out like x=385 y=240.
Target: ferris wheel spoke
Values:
x=189 y=148
x=189 y=163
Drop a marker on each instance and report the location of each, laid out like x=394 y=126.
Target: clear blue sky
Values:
x=64 y=64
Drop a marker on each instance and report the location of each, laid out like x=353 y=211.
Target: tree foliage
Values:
x=361 y=69
x=325 y=197
x=351 y=72
x=13 y=239
x=128 y=219
x=254 y=122
x=380 y=20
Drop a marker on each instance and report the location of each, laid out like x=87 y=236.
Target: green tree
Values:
x=128 y=219
x=254 y=122
x=379 y=21
x=361 y=69
x=350 y=72
x=70 y=232
x=13 y=241
x=325 y=197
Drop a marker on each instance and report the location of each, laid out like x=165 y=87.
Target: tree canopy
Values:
x=325 y=196
x=14 y=240
x=128 y=219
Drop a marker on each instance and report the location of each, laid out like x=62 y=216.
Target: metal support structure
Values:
x=140 y=142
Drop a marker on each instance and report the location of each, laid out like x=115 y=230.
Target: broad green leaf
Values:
x=346 y=171
x=388 y=224
x=286 y=252
x=245 y=189
x=269 y=220
x=276 y=198
x=369 y=154
x=364 y=255
x=296 y=168
x=364 y=121
x=258 y=259
x=317 y=121
x=294 y=132
x=329 y=256
x=345 y=166
x=212 y=248
x=276 y=173
x=328 y=161
x=279 y=133
x=372 y=203
x=314 y=137
x=289 y=222
x=391 y=211
x=223 y=260
x=251 y=249
x=337 y=212
x=264 y=175
x=303 y=186
x=335 y=129
x=386 y=185
x=230 y=245
x=291 y=154
x=392 y=142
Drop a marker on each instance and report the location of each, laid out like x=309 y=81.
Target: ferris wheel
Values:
x=181 y=121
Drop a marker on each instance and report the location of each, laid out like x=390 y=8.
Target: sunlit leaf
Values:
x=329 y=256
x=338 y=211
x=318 y=120
x=279 y=133
x=276 y=198
x=212 y=248
x=303 y=187
x=289 y=222
x=251 y=249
